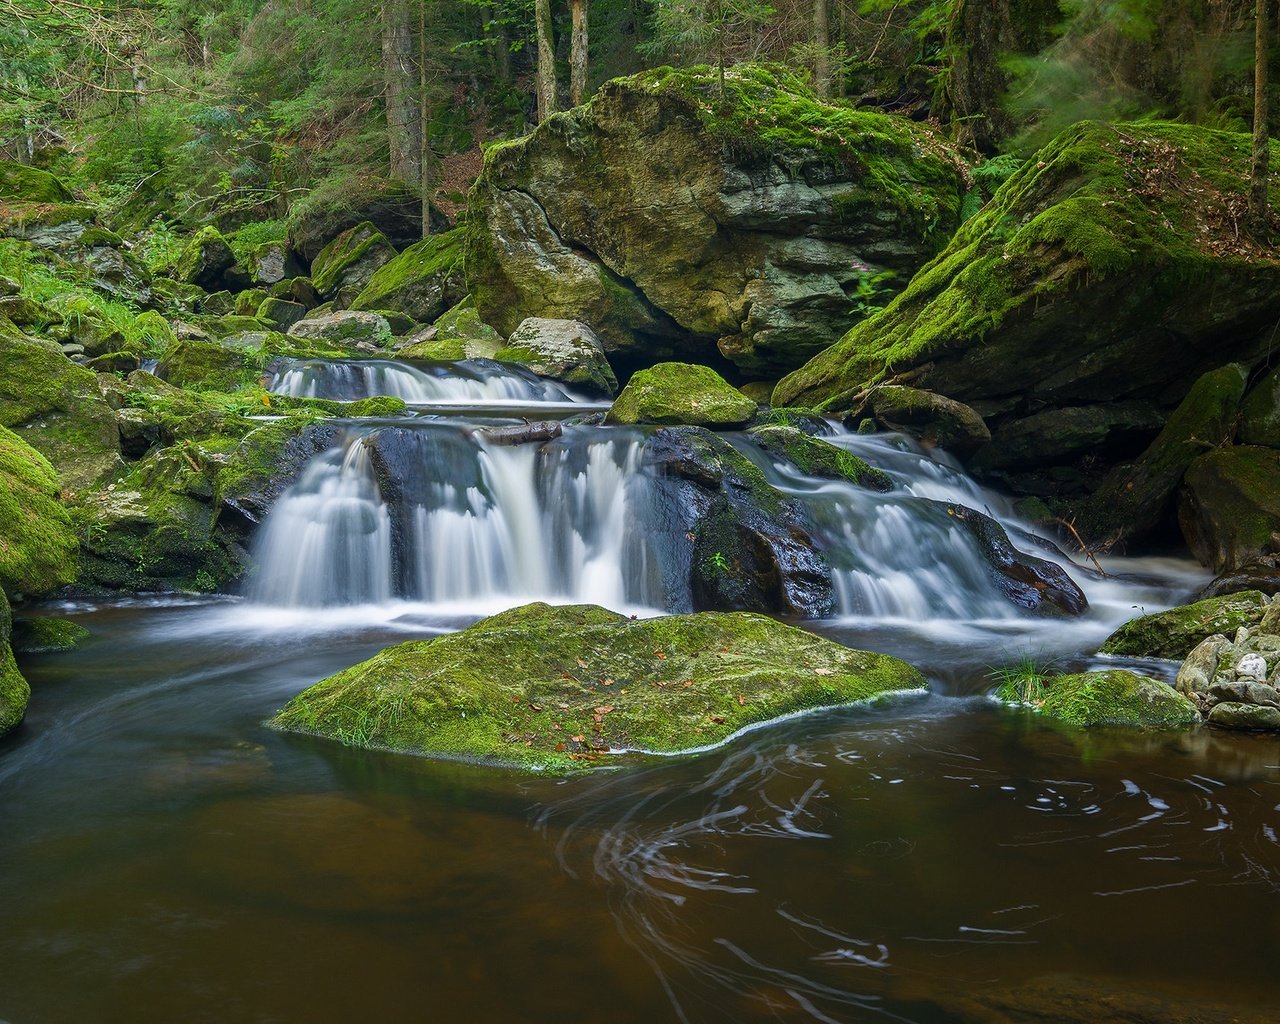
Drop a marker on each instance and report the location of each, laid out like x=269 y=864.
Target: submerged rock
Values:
x=1176 y=632
x=676 y=218
x=681 y=393
x=557 y=688
x=1116 y=697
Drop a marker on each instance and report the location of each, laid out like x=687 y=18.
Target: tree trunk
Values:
x=578 y=52
x=822 y=49
x=546 y=60
x=403 y=125
x=425 y=163
x=1258 y=207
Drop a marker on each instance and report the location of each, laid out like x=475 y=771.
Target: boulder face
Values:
x=675 y=221
x=1117 y=697
x=346 y=265
x=564 y=350
x=392 y=207
x=560 y=688
x=1176 y=632
x=1106 y=269
x=422 y=282
x=681 y=393
x=1229 y=507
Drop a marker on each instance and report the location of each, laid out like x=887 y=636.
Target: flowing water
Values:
x=164 y=856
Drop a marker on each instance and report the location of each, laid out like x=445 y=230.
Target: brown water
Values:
x=164 y=857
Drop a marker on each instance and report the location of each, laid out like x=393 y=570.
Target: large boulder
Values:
x=457 y=334
x=205 y=259
x=344 y=327
x=422 y=282
x=272 y=262
x=1117 y=697
x=56 y=407
x=558 y=688
x=1108 y=268
x=1229 y=506
x=682 y=393
x=676 y=220
x=564 y=350
x=1176 y=632
x=345 y=265
x=31 y=184
x=736 y=542
x=1134 y=498
x=37 y=543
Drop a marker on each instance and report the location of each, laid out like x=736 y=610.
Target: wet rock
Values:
x=815 y=457
x=935 y=419
x=1176 y=632
x=681 y=393
x=1230 y=715
x=564 y=350
x=1061 y=436
x=802 y=420
x=1245 y=693
x=557 y=688
x=1117 y=697
x=525 y=433
x=739 y=543
x=1229 y=506
x=1262 y=574
x=1029 y=582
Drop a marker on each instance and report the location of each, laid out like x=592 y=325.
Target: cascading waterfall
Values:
x=477 y=381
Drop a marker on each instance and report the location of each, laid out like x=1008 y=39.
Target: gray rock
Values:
x=1252 y=667
x=565 y=350
x=1245 y=693
x=1197 y=672
x=344 y=325
x=1231 y=715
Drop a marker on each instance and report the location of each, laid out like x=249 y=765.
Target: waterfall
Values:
x=472 y=382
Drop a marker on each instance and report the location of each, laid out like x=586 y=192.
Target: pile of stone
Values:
x=1236 y=683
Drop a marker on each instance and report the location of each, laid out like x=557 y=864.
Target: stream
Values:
x=937 y=859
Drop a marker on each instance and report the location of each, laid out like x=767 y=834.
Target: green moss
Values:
x=1117 y=697
x=459 y=334
x=37 y=546
x=1230 y=505
x=556 y=688
x=204 y=259
x=151 y=333
x=37 y=636
x=30 y=184
x=339 y=261
x=816 y=457
x=208 y=366
x=1176 y=632
x=421 y=282
x=247 y=240
x=1260 y=413
x=14 y=691
x=1100 y=201
x=681 y=393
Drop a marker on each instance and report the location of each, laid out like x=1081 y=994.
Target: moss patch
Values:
x=681 y=393
x=816 y=457
x=556 y=688
x=1174 y=633
x=422 y=282
x=37 y=546
x=38 y=636
x=30 y=184
x=1117 y=697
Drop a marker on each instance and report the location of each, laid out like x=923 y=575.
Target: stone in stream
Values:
x=559 y=688
x=1231 y=715
x=815 y=457
x=1116 y=697
x=564 y=350
x=1174 y=633
x=681 y=394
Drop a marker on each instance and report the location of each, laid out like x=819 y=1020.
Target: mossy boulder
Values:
x=1064 y=436
x=564 y=350
x=1229 y=506
x=281 y=314
x=271 y=263
x=560 y=688
x=1117 y=697
x=737 y=543
x=937 y=420
x=1175 y=633
x=14 y=690
x=56 y=407
x=345 y=265
x=56 y=226
x=209 y=365
x=681 y=393
x=457 y=334
x=421 y=282
x=344 y=327
x=30 y=184
x=815 y=457
x=1260 y=413
x=1135 y=498
x=205 y=259
x=1108 y=267
x=45 y=634
x=37 y=545
x=676 y=218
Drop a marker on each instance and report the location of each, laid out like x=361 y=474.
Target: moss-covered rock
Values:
x=540 y=687
x=57 y=226
x=681 y=393
x=30 y=184
x=1107 y=267
x=271 y=263
x=674 y=219
x=209 y=365
x=1260 y=413
x=56 y=407
x=1117 y=697
x=281 y=314
x=14 y=691
x=935 y=419
x=346 y=265
x=1229 y=506
x=37 y=545
x=457 y=334
x=422 y=282
x=1176 y=632
x=1057 y=437
x=45 y=634
x=1133 y=499
x=344 y=327
x=564 y=350
x=205 y=259
x=815 y=457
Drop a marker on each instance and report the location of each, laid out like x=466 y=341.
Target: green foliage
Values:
x=698 y=31
x=1023 y=681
